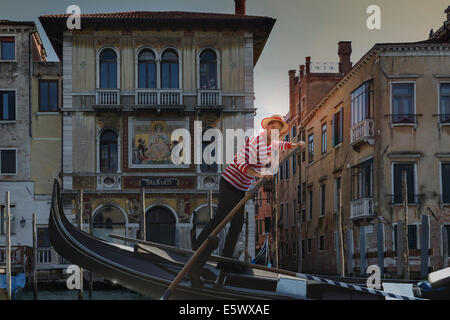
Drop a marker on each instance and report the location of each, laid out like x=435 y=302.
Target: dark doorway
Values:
x=160 y=226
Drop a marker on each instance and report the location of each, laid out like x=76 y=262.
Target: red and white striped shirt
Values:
x=249 y=156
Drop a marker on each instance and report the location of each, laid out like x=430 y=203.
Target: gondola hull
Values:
x=149 y=275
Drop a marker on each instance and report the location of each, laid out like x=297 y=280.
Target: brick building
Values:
x=387 y=115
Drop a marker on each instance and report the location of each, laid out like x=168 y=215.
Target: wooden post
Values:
x=445 y=236
x=8 y=246
x=275 y=207
x=210 y=201
x=246 y=255
x=80 y=226
x=91 y=276
x=142 y=226
x=405 y=226
x=35 y=289
x=341 y=236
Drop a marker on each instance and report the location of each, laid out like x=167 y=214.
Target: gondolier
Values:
x=234 y=183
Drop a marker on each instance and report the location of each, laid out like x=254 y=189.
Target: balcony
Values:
x=44 y=256
x=107 y=97
x=158 y=97
x=209 y=98
x=362 y=132
x=361 y=208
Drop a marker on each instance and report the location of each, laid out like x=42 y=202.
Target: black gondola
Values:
x=149 y=270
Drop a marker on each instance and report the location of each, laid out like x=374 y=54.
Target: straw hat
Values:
x=278 y=118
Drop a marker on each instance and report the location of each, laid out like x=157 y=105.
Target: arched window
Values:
x=108 y=220
x=208 y=69
x=169 y=69
x=146 y=69
x=204 y=167
x=108 y=69
x=108 y=152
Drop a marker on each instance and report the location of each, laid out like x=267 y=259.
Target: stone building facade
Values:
x=21 y=54
x=129 y=80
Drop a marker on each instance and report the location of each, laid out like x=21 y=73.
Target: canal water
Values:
x=73 y=295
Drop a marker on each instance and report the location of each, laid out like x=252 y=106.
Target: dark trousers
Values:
x=229 y=197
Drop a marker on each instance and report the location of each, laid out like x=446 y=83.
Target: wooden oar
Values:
x=215 y=232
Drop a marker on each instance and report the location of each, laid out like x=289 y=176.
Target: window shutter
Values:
x=12 y=105
x=341 y=125
x=333 y=124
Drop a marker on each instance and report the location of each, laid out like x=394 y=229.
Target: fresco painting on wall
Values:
x=152 y=143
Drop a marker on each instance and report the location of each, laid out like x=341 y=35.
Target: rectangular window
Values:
x=410 y=176
x=448 y=236
x=294 y=164
x=337 y=196
x=311 y=148
x=7 y=105
x=267 y=224
x=43 y=238
x=412 y=237
x=445 y=181
x=309 y=245
x=322 y=199
x=310 y=205
x=12 y=211
x=362 y=180
x=321 y=243
x=8 y=162
x=444 y=108
x=294 y=209
x=48 y=95
x=303 y=192
x=303 y=249
x=286 y=167
x=324 y=138
x=281 y=213
x=338 y=124
x=8 y=48
x=360 y=104
x=403 y=104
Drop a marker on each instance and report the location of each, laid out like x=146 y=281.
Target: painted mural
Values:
x=151 y=141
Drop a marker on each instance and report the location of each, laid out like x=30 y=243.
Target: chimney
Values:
x=344 y=52
x=447 y=11
x=308 y=65
x=291 y=74
x=239 y=7
x=302 y=71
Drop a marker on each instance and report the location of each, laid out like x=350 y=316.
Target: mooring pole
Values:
x=142 y=226
x=406 y=274
x=91 y=276
x=80 y=226
x=35 y=288
x=341 y=236
x=210 y=201
x=275 y=208
x=8 y=245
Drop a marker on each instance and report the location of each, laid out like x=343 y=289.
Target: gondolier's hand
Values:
x=255 y=173
x=300 y=144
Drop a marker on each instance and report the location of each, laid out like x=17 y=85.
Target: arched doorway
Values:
x=161 y=225
x=109 y=220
